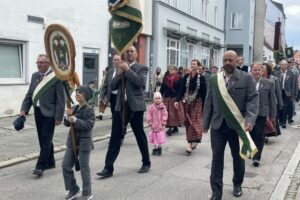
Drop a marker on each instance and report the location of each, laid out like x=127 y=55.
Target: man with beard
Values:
x=134 y=79
x=240 y=87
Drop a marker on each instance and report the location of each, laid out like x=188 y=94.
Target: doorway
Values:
x=90 y=68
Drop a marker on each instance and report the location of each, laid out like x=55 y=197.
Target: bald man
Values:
x=241 y=87
x=135 y=76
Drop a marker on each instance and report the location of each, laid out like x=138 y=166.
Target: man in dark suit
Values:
x=135 y=77
x=107 y=95
x=267 y=108
x=241 y=88
x=288 y=85
x=241 y=65
x=49 y=105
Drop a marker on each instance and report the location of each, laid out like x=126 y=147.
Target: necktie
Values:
x=41 y=76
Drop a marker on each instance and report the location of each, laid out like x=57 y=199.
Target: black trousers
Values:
x=136 y=120
x=219 y=138
x=45 y=129
x=113 y=101
x=258 y=136
x=286 y=109
x=290 y=109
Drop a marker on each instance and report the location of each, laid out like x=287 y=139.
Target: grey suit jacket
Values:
x=83 y=127
x=278 y=91
x=290 y=83
x=242 y=90
x=52 y=103
x=207 y=77
x=135 y=83
x=106 y=89
x=267 y=99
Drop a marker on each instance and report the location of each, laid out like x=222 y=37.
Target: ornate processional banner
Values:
x=127 y=23
x=60 y=48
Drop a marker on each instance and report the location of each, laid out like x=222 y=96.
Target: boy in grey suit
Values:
x=83 y=118
x=48 y=112
x=267 y=108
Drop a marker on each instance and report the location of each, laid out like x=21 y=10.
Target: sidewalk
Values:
x=16 y=147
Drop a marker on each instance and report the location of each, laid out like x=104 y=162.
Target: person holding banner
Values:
x=47 y=95
x=231 y=108
x=133 y=75
x=82 y=117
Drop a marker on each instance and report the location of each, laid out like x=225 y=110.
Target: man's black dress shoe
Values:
x=214 y=197
x=38 y=172
x=105 y=173
x=237 y=191
x=283 y=126
x=144 y=169
x=290 y=121
x=256 y=163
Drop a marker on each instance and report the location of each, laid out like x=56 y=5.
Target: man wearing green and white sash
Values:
x=47 y=95
x=230 y=110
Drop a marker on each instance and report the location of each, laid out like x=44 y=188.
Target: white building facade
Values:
x=22 y=31
x=186 y=30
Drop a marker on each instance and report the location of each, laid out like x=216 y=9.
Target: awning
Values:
x=177 y=34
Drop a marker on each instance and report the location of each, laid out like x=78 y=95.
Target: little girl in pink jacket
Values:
x=157 y=116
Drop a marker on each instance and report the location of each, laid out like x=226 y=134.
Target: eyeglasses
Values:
x=41 y=62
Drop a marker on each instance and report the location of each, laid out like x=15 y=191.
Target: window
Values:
x=205 y=56
x=172 y=3
x=172 y=52
x=192 y=52
x=217 y=58
x=216 y=17
x=184 y=54
x=12 y=62
x=236 y=20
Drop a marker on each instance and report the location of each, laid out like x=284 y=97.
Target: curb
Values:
x=286 y=181
x=33 y=155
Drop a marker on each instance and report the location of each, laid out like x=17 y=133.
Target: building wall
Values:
x=186 y=21
x=241 y=39
x=86 y=20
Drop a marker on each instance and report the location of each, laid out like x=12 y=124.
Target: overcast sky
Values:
x=292 y=12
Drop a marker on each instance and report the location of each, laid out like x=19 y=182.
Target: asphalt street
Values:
x=172 y=176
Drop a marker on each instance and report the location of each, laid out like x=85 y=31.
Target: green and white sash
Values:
x=48 y=81
x=233 y=116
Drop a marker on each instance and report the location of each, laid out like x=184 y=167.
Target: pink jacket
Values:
x=157 y=116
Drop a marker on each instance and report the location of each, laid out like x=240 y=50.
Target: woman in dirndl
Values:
x=272 y=128
x=193 y=93
x=169 y=89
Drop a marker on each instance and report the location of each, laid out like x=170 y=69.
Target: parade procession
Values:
x=138 y=99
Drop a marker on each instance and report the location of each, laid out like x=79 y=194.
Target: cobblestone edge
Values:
x=288 y=183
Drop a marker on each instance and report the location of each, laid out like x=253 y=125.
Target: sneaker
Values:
x=72 y=193
x=88 y=197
